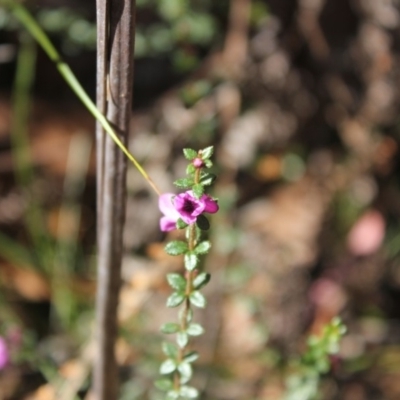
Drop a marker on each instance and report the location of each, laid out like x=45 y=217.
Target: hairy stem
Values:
x=190 y=275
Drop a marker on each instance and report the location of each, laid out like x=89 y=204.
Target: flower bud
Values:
x=198 y=162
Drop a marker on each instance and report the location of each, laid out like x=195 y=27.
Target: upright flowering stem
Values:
x=186 y=210
x=189 y=286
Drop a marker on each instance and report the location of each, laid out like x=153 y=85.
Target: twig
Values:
x=309 y=25
x=115 y=68
x=236 y=42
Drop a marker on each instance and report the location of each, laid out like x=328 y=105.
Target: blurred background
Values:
x=300 y=99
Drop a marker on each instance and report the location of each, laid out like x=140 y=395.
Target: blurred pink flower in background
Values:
x=4 y=353
x=328 y=298
x=367 y=234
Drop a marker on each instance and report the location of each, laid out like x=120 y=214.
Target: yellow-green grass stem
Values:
x=26 y=19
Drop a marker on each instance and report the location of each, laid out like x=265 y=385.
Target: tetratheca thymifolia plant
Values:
x=185 y=211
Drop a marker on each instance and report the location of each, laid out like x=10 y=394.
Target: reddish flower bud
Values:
x=198 y=162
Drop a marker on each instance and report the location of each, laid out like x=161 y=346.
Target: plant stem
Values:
x=190 y=275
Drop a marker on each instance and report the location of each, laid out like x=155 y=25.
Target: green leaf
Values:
x=198 y=190
x=207 y=152
x=175 y=299
x=197 y=299
x=208 y=163
x=176 y=247
x=203 y=247
x=191 y=356
x=208 y=179
x=182 y=339
x=189 y=392
x=189 y=154
x=172 y=395
x=201 y=280
x=170 y=350
x=170 y=327
x=181 y=224
x=195 y=330
x=333 y=348
x=189 y=314
x=190 y=169
x=186 y=371
x=168 y=366
x=176 y=281
x=184 y=183
x=202 y=223
x=323 y=365
x=164 y=384
x=191 y=261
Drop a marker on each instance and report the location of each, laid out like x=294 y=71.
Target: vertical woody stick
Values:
x=115 y=41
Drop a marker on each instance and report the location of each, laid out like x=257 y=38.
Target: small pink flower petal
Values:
x=211 y=206
x=171 y=215
x=167 y=224
x=166 y=205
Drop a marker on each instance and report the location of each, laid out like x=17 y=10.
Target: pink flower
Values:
x=171 y=215
x=185 y=206
x=4 y=354
x=367 y=234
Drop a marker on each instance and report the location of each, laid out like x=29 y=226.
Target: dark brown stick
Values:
x=115 y=75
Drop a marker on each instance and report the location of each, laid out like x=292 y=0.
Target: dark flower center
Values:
x=189 y=206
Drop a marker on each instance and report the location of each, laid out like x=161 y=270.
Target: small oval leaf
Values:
x=176 y=247
x=202 y=223
x=184 y=183
x=191 y=356
x=208 y=179
x=172 y=395
x=186 y=371
x=182 y=339
x=189 y=392
x=170 y=327
x=198 y=190
x=181 y=224
x=203 y=247
x=163 y=384
x=191 y=261
x=170 y=350
x=201 y=280
x=207 y=152
x=197 y=299
x=167 y=367
x=183 y=312
x=176 y=281
x=195 y=330
x=175 y=299
x=190 y=169
x=208 y=163
x=189 y=154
